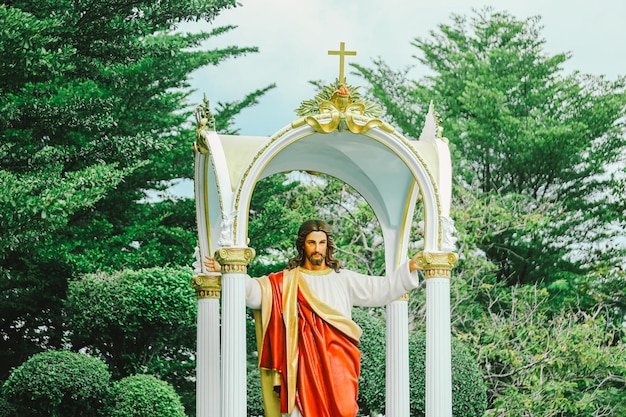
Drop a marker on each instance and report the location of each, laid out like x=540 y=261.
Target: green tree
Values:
x=93 y=122
x=281 y=203
x=58 y=383
x=275 y=216
x=537 y=359
x=138 y=322
x=520 y=128
x=539 y=363
x=538 y=204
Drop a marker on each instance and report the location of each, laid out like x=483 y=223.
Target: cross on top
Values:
x=342 y=54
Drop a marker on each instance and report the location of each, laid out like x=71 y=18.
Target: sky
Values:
x=294 y=37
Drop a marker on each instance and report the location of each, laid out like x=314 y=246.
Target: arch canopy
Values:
x=390 y=172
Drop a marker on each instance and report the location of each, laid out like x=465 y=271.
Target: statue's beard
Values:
x=316 y=261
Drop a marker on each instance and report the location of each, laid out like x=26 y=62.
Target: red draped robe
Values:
x=308 y=351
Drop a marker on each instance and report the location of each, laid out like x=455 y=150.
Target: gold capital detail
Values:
x=436 y=264
x=342 y=55
x=234 y=260
x=207 y=286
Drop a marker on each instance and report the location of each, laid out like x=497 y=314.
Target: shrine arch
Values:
x=390 y=171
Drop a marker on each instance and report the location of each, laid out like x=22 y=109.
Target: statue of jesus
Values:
x=308 y=350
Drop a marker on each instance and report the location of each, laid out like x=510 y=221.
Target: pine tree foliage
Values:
x=93 y=123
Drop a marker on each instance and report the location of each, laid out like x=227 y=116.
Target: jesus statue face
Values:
x=315 y=247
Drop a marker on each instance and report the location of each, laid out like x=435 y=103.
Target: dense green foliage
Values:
x=524 y=132
x=254 y=394
x=469 y=393
x=140 y=321
x=373 y=361
x=58 y=384
x=144 y=396
x=62 y=383
x=538 y=294
x=571 y=360
x=93 y=125
x=280 y=204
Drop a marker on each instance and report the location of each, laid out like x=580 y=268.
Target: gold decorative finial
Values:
x=205 y=122
x=342 y=54
x=339 y=106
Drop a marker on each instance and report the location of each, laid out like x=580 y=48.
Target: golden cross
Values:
x=342 y=54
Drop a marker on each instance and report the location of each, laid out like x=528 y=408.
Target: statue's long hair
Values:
x=314 y=226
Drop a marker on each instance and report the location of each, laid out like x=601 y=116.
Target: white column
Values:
x=208 y=360
x=234 y=266
x=233 y=345
x=397 y=360
x=438 y=350
x=207 y=288
x=437 y=266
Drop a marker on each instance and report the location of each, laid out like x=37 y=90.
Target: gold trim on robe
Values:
x=291 y=282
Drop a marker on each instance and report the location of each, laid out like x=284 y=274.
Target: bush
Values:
x=469 y=392
x=144 y=396
x=6 y=408
x=255 y=395
x=373 y=350
x=140 y=322
x=58 y=383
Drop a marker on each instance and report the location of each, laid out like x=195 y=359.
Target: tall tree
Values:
x=538 y=203
x=522 y=131
x=92 y=117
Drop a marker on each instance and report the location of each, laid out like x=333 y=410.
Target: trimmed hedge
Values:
x=144 y=396
x=469 y=392
x=68 y=384
x=58 y=383
x=371 y=397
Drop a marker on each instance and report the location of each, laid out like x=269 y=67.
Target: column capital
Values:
x=234 y=260
x=436 y=264
x=207 y=285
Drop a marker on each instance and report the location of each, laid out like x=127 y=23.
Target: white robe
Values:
x=344 y=289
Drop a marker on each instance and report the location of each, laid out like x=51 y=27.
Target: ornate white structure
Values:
x=390 y=171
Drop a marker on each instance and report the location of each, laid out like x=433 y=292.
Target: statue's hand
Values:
x=212 y=265
x=415 y=264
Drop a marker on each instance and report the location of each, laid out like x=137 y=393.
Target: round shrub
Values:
x=144 y=396
x=141 y=321
x=56 y=383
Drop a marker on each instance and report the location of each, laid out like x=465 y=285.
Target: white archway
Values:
x=390 y=172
